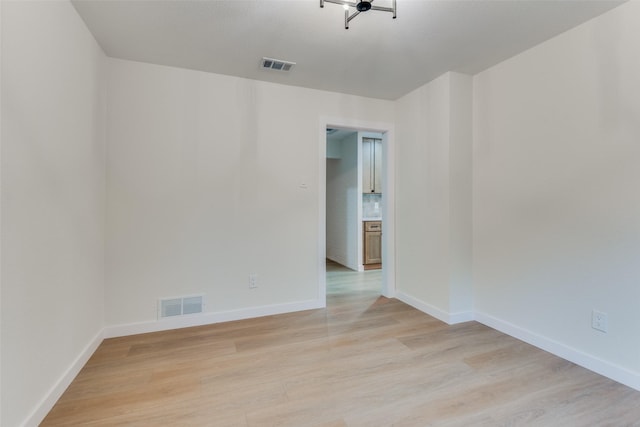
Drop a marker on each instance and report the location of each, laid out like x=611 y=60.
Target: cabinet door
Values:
x=367 y=165
x=377 y=166
x=372 y=247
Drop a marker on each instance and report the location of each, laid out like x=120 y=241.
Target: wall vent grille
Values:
x=277 y=64
x=180 y=306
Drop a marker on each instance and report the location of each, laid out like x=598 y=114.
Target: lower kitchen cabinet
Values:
x=372 y=244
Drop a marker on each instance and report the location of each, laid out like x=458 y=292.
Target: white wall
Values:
x=433 y=197
x=53 y=194
x=205 y=186
x=422 y=197
x=556 y=200
x=460 y=194
x=342 y=204
x=334 y=150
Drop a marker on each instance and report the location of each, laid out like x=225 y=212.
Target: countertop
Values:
x=371 y=219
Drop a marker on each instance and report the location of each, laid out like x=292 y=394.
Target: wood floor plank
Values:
x=365 y=360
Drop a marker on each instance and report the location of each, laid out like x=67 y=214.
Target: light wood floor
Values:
x=364 y=361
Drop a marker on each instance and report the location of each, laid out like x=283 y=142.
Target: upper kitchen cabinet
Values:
x=371 y=165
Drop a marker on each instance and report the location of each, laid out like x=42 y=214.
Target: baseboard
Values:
x=431 y=310
x=604 y=368
x=50 y=399
x=208 y=318
x=592 y=363
x=609 y=370
x=344 y=262
x=461 y=317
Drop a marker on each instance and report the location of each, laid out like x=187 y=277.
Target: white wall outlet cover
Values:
x=253 y=281
x=599 y=321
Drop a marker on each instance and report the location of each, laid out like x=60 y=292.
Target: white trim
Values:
x=1 y=210
x=599 y=366
x=342 y=261
x=461 y=317
x=322 y=214
x=424 y=307
x=359 y=184
x=201 y=319
x=431 y=310
x=389 y=213
x=592 y=363
x=46 y=404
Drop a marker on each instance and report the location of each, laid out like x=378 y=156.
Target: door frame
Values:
x=388 y=206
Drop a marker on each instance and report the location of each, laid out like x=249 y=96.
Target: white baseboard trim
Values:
x=604 y=368
x=44 y=406
x=461 y=317
x=431 y=310
x=208 y=318
x=345 y=262
x=592 y=363
x=609 y=370
x=389 y=293
x=50 y=399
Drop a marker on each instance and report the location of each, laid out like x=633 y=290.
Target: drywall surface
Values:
x=460 y=193
x=53 y=200
x=433 y=204
x=422 y=193
x=556 y=200
x=334 y=150
x=342 y=204
x=211 y=178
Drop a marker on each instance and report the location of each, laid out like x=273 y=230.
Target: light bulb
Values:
x=346 y=6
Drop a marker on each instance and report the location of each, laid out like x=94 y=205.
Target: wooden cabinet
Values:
x=372 y=243
x=371 y=165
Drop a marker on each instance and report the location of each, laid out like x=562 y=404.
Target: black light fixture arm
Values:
x=359 y=6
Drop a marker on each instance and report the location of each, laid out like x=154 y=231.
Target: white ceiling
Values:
x=377 y=57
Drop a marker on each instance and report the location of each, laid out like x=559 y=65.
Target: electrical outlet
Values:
x=253 y=281
x=599 y=321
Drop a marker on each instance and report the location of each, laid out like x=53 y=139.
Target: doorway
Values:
x=346 y=286
x=346 y=129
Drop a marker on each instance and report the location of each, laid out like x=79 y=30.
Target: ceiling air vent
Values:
x=277 y=64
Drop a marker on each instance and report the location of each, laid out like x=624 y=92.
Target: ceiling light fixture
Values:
x=359 y=6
